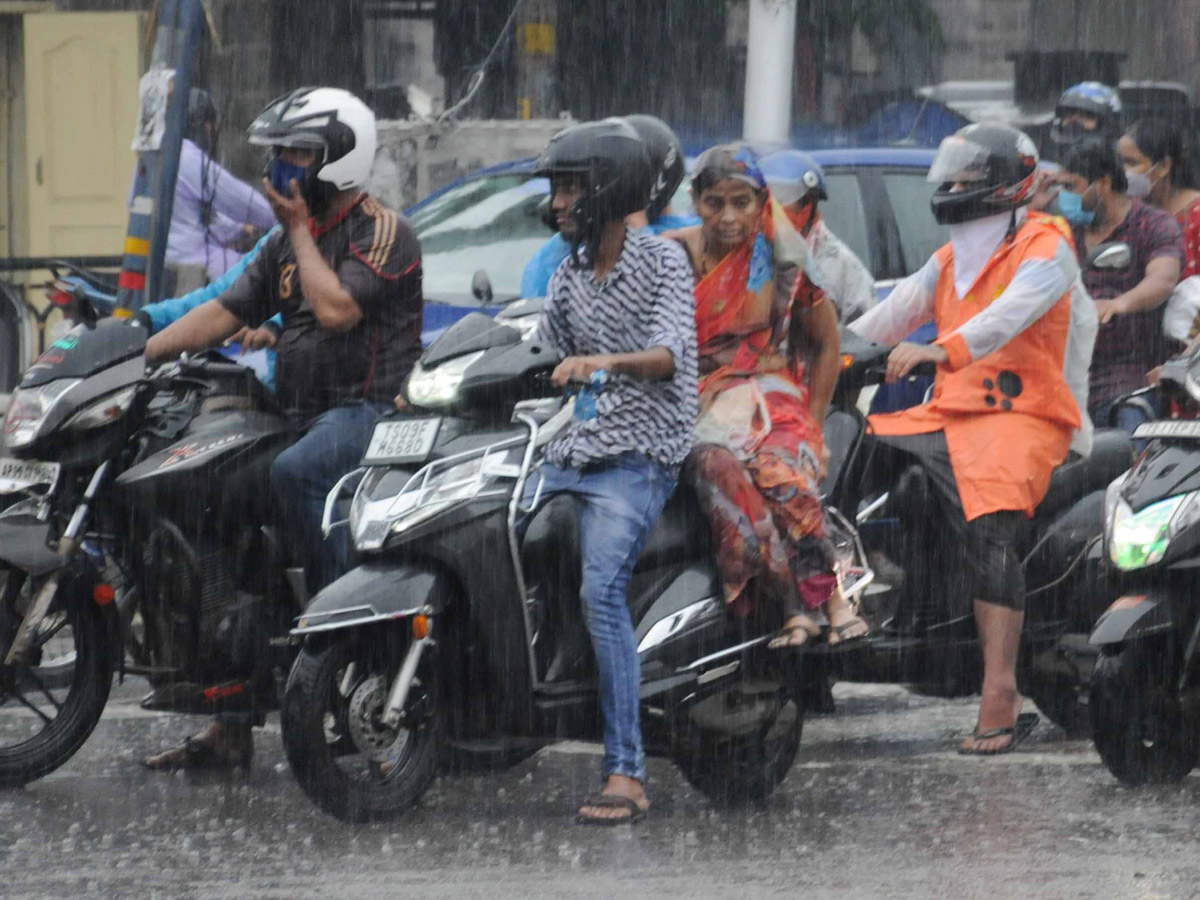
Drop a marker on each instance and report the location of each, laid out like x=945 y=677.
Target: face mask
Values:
x=1070 y=204
x=1139 y=184
x=282 y=174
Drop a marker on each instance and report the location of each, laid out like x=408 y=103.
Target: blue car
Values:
x=491 y=221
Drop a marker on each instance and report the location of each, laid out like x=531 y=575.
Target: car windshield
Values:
x=490 y=223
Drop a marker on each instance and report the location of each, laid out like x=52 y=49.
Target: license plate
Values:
x=18 y=474
x=401 y=441
x=1183 y=428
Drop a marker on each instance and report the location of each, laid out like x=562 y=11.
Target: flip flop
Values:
x=196 y=755
x=840 y=631
x=777 y=642
x=610 y=801
x=1024 y=726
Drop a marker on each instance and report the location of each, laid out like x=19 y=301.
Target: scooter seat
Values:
x=1112 y=455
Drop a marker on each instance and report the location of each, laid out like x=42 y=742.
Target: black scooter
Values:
x=141 y=527
x=1145 y=692
x=453 y=631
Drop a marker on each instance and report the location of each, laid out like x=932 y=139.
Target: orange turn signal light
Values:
x=1129 y=602
x=103 y=594
x=420 y=627
x=847 y=361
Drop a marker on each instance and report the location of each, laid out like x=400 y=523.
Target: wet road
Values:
x=878 y=805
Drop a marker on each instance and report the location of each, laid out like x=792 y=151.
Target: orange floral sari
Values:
x=757 y=459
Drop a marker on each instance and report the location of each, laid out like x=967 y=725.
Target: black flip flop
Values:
x=844 y=627
x=1024 y=726
x=610 y=801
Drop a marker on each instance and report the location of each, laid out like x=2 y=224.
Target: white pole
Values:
x=769 y=56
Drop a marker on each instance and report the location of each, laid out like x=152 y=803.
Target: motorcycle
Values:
x=140 y=526
x=1146 y=687
x=455 y=631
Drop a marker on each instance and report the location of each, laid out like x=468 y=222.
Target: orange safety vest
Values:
x=1008 y=417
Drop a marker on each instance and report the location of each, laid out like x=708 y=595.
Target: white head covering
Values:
x=975 y=243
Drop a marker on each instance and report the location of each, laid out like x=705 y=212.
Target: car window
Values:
x=920 y=234
x=845 y=215
x=488 y=223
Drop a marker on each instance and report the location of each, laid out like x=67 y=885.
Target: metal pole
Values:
x=175 y=48
x=769 y=59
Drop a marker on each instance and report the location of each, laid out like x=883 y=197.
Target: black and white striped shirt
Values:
x=645 y=302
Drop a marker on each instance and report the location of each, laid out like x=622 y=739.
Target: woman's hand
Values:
x=1109 y=310
x=906 y=356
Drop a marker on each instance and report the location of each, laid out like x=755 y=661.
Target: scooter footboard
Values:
x=375 y=593
x=1135 y=616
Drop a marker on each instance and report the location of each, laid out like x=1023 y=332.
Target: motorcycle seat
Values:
x=1112 y=455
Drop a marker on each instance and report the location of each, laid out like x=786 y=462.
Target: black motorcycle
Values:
x=1145 y=692
x=142 y=527
x=456 y=632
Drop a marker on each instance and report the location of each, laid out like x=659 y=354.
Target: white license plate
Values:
x=1180 y=428
x=18 y=474
x=401 y=441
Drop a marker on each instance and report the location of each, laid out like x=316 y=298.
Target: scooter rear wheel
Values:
x=744 y=766
x=1140 y=730
x=337 y=748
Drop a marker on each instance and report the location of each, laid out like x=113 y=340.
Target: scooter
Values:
x=1145 y=691
x=457 y=631
x=140 y=526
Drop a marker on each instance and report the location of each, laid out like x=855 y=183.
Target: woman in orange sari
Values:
x=768 y=341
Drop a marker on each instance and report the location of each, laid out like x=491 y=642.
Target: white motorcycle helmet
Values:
x=330 y=120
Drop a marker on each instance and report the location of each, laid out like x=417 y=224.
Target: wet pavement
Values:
x=878 y=805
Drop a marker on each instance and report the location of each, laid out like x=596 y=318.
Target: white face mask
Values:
x=1140 y=184
x=974 y=244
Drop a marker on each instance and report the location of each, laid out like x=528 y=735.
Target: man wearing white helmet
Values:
x=345 y=273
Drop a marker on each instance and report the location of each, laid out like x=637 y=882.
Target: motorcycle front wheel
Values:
x=1140 y=729
x=46 y=713
x=346 y=760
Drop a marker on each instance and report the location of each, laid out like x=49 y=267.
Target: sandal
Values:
x=610 y=801
x=1023 y=727
x=840 y=632
x=782 y=639
x=195 y=754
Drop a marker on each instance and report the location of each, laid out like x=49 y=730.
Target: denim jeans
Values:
x=622 y=500
x=1130 y=415
x=304 y=474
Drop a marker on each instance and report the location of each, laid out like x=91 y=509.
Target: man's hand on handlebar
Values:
x=579 y=368
x=905 y=357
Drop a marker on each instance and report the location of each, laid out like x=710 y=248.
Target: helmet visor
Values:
x=959 y=159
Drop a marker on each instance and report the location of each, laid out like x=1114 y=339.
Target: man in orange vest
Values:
x=1015 y=335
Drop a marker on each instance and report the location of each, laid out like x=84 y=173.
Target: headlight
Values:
x=29 y=408
x=104 y=411
x=438 y=386
x=527 y=325
x=1138 y=540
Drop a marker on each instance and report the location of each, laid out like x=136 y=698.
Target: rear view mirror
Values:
x=481 y=287
x=1109 y=256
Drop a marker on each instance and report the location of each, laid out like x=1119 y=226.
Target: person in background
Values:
x=1156 y=153
x=1088 y=109
x=215 y=216
x=1092 y=197
x=768 y=344
x=666 y=159
x=797 y=181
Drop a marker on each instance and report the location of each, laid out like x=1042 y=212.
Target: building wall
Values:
x=980 y=32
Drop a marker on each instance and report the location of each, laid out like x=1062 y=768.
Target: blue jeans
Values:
x=622 y=500
x=1130 y=415
x=304 y=474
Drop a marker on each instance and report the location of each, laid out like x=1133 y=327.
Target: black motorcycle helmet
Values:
x=201 y=111
x=996 y=166
x=1090 y=98
x=666 y=160
x=615 y=168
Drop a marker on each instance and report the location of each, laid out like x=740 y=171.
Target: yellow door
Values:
x=81 y=90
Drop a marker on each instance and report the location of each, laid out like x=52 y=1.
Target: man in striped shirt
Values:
x=621 y=305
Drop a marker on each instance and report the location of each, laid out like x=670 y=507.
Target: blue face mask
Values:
x=1070 y=205
x=282 y=174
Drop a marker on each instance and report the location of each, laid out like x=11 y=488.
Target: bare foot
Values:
x=998 y=709
x=618 y=786
x=796 y=632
